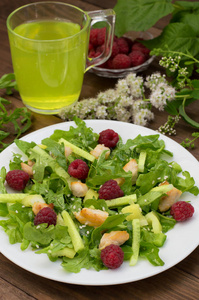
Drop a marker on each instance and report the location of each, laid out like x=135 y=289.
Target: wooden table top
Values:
x=179 y=282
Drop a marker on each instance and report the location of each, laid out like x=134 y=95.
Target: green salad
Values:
x=142 y=212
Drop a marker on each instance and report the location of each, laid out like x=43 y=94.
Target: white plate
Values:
x=181 y=241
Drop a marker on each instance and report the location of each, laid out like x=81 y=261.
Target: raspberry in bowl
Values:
x=128 y=54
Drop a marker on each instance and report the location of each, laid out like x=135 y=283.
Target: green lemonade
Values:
x=49 y=63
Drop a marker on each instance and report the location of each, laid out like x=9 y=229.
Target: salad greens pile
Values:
x=75 y=244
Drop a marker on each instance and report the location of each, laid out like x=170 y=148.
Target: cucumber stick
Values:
x=122 y=201
x=12 y=198
x=141 y=161
x=135 y=242
x=73 y=232
x=77 y=150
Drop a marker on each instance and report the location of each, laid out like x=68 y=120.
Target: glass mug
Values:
x=49 y=48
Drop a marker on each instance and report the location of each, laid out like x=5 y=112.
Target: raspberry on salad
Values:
x=78 y=169
x=112 y=256
x=110 y=190
x=109 y=138
x=181 y=211
x=46 y=215
x=121 y=61
x=17 y=179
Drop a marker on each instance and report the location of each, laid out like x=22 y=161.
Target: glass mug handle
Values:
x=107 y=16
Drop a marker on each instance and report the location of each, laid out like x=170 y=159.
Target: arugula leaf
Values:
x=140 y=15
x=81 y=136
x=78 y=262
x=186 y=184
x=7 y=81
x=151 y=252
x=20 y=118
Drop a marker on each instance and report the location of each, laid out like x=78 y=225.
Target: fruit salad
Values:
x=92 y=201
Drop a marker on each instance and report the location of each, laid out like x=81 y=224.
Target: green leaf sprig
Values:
x=190 y=143
x=20 y=117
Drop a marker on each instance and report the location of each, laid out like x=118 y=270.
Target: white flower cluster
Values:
x=126 y=102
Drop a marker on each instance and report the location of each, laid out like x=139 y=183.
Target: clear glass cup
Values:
x=49 y=47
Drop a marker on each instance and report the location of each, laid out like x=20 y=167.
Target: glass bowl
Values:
x=120 y=73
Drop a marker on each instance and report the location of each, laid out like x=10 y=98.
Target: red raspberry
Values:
x=17 y=179
x=112 y=256
x=46 y=215
x=121 y=61
x=90 y=47
x=109 y=138
x=101 y=36
x=123 y=45
x=93 y=54
x=110 y=190
x=137 y=58
x=115 y=50
x=109 y=64
x=94 y=36
x=78 y=169
x=129 y=42
x=141 y=48
x=182 y=211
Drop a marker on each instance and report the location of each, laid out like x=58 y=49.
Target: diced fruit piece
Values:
x=78 y=150
x=26 y=168
x=78 y=188
x=97 y=151
x=73 y=231
x=78 y=169
x=181 y=211
x=135 y=241
x=171 y=197
x=134 y=210
x=109 y=138
x=110 y=190
x=91 y=217
x=113 y=237
x=120 y=181
x=67 y=151
x=46 y=215
x=17 y=179
x=91 y=194
x=153 y=220
x=132 y=166
x=112 y=256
